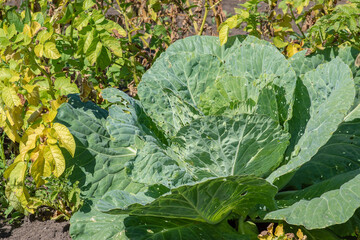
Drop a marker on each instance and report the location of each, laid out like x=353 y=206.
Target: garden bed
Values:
x=32 y=227
x=36 y=230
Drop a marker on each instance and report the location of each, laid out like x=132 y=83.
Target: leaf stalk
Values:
x=207 y=8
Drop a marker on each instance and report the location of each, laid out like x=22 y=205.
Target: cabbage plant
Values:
x=222 y=137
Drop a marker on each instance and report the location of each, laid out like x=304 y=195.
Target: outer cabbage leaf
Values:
x=339 y=155
x=333 y=207
x=331 y=92
x=302 y=64
x=89 y=223
x=348 y=228
x=105 y=143
x=211 y=45
x=210 y=201
x=177 y=229
x=98 y=158
x=331 y=170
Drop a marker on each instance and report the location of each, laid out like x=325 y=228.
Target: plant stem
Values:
x=128 y=30
x=355 y=36
x=293 y=17
x=2 y=152
x=217 y=18
x=32 y=5
x=217 y=3
x=196 y=27
x=126 y=21
x=204 y=18
x=241 y=225
x=72 y=28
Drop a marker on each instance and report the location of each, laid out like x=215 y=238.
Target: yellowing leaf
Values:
x=94 y=52
x=53 y=155
x=223 y=34
x=30 y=137
x=65 y=137
x=300 y=9
x=270 y=228
x=89 y=40
x=88 y=4
x=279 y=43
x=40 y=168
x=2 y=117
x=32 y=114
x=35 y=26
x=43 y=36
x=16 y=191
x=27 y=30
x=11 y=132
x=9 y=118
x=29 y=75
x=114 y=28
x=279 y=231
x=153 y=14
x=14 y=76
x=293 y=48
x=320 y=46
x=300 y=234
x=113 y=44
x=5 y=74
x=51 y=140
x=86 y=90
x=15 y=174
x=50 y=116
x=10 y=97
x=244 y=14
x=18 y=197
x=55 y=104
x=34 y=97
x=29 y=88
x=232 y=22
x=39 y=50
x=50 y=51
x=14 y=117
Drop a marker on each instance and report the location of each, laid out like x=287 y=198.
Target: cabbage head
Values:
x=220 y=138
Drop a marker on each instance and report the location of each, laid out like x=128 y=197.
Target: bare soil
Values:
x=36 y=230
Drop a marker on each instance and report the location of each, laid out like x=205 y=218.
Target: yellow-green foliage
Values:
x=29 y=101
x=280 y=234
x=293 y=25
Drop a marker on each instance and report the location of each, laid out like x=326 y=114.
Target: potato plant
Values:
x=293 y=25
x=29 y=101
